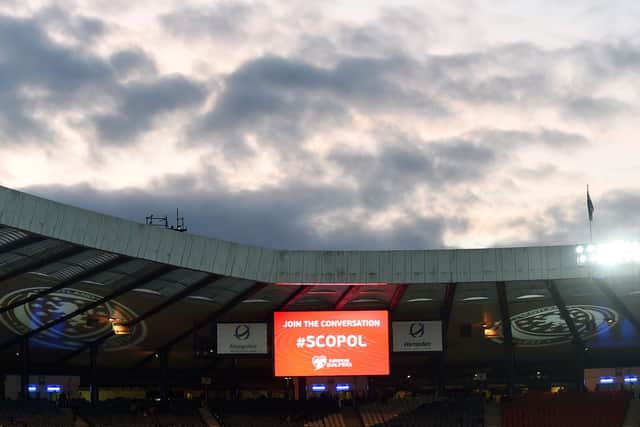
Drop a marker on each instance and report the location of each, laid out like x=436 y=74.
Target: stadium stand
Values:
x=277 y=412
x=443 y=413
x=34 y=413
x=134 y=413
x=597 y=409
x=377 y=413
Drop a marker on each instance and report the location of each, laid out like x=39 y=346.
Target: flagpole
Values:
x=590 y=220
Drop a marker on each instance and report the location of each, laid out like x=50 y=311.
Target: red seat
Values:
x=599 y=409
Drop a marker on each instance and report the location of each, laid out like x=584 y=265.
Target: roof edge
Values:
x=111 y=234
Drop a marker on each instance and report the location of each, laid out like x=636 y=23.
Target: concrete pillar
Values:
x=26 y=367
x=93 y=374
x=164 y=375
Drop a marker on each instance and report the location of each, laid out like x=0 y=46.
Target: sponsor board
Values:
x=324 y=343
x=417 y=336
x=242 y=338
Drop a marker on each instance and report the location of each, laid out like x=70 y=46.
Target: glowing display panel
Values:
x=324 y=343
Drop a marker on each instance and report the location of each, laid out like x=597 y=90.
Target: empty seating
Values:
x=34 y=413
x=599 y=409
x=279 y=412
x=419 y=412
x=377 y=413
x=132 y=413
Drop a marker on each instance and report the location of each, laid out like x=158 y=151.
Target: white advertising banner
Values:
x=242 y=338
x=417 y=336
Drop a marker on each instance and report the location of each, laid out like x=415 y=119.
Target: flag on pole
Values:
x=589 y=205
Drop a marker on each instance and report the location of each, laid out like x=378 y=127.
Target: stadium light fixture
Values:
x=615 y=253
x=530 y=296
x=420 y=299
x=120 y=329
x=479 y=298
x=490 y=333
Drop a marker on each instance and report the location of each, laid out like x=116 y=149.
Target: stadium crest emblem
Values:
x=545 y=326
x=242 y=332
x=73 y=333
x=319 y=362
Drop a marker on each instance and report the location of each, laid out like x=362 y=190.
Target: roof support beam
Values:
x=41 y=262
x=578 y=343
x=509 y=354
x=257 y=287
x=142 y=279
x=208 y=280
x=346 y=297
x=26 y=369
x=66 y=283
x=398 y=293
x=445 y=310
x=618 y=304
x=564 y=313
x=93 y=375
x=295 y=297
x=445 y=317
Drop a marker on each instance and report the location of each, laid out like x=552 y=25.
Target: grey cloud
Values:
x=37 y=74
x=277 y=218
x=608 y=60
x=404 y=162
x=225 y=19
x=284 y=100
x=553 y=138
x=524 y=77
x=537 y=173
x=284 y=217
x=59 y=76
x=143 y=101
x=84 y=29
x=591 y=108
x=567 y=221
x=133 y=62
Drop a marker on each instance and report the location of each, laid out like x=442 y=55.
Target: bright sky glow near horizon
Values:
x=345 y=124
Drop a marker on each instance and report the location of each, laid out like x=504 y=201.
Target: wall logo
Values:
x=319 y=362
x=416 y=330
x=544 y=326
x=73 y=333
x=242 y=332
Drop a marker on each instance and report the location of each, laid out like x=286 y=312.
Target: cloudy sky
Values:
x=341 y=124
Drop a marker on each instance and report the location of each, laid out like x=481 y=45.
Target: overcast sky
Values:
x=345 y=124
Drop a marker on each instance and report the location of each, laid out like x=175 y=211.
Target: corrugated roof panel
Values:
x=77 y=264
x=38 y=248
x=10 y=235
x=10 y=258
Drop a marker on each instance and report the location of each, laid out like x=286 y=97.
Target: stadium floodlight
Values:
x=614 y=253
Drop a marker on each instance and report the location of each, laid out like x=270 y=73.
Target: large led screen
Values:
x=324 y=343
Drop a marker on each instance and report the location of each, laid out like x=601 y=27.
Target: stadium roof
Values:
x=65 y=271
